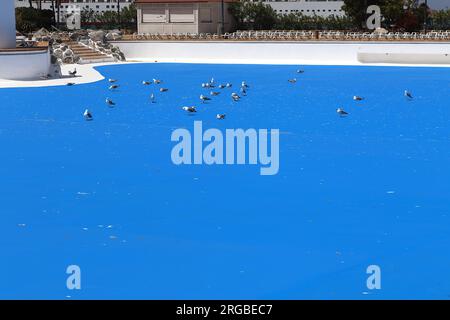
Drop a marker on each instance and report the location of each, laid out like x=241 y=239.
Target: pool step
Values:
x=88 y=55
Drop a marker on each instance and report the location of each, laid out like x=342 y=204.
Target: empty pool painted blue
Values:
x=368 y=189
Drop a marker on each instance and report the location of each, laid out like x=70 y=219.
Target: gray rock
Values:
x=68 y=60
x=58 y=53
x=111 y=36
x=97 y=35
x=41 y=32
x=68 y=53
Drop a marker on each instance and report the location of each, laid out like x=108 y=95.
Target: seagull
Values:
x=189 y=109
x=163 y=89
x=146 y=83
x=244 y=85
x=292 y=80
x=112 y=80
x=358 y=98
x=114 y=86
x=204 y=98
x=228 y=85
x=152 y=98
x=211 y=81
x=214 y=93
x=70 y=84
x=206 y=85
x=221 y=86
x=341 y=112
x=300 y=71
x=73 y=73
x=235 y=96
x=156 y=81
x=109 y=102
x=88 y=115
x=220 y=116
x=408 y=94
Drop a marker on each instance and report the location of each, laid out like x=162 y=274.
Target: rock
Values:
x=97 y=35
x=58 y=53
x=68 y=53
x=68 y=60
x=41 y=33
x=116 y=56
x=111 y=36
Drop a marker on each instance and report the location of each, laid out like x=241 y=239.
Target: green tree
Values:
x=440 y=20
x=31 y=19
x=253 y=15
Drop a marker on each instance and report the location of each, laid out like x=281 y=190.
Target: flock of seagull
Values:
x=211 y=84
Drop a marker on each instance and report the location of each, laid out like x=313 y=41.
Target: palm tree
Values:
x=54 y=12
x=58 y=4
x=118 y=12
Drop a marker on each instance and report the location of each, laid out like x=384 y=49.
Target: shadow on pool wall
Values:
x=351 y=192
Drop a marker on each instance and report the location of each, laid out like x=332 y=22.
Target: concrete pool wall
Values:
x=24 y=64
x=262 y=52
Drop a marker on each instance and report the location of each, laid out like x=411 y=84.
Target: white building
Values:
x=322 y=8
x=67 y=6
x=183 y=16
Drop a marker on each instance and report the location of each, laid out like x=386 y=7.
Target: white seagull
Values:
x=109 y=102
x=112 y=80
x=204 y=98
x=152 y=98
x=408 y=94
x=228 y=85
x=214 y=93
x=244 y=84
x=220 y=116
x=292 y=80
x=235 y=96
x=358 y=98
x=88 y=115
x=146 y=83
x=221 y=86
x=190 y=109
x=163 y=89
x=156 y=81
x=114 y=86
x=73 y=73
x=341 y=112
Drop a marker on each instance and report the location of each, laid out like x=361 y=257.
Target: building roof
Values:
x=179 y=1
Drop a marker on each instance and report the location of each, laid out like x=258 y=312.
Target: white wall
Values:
x=7 y=24
x=328 y=53
x=22 y=65
x=308 y=8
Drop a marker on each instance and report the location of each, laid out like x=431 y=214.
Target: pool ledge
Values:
x=85 y=74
